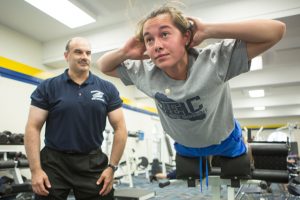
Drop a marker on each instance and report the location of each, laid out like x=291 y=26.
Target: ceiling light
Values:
x=259 y=108
x=63 y=11
x=256 y=63
x=256 y=93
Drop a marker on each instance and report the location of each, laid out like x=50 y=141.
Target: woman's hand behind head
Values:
x=198 y=31
x=134 y=49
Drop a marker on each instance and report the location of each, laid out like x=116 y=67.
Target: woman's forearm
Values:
x=109 y=62
x=259 y=35
x=254 y=31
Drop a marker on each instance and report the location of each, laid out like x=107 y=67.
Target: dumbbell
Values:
x=163 y=184
x=15 y=155
x=16 y=138
x=4 y=137
x=23 y=163
x=6 y=164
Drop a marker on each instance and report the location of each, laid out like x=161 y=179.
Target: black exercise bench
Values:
x=270 y=165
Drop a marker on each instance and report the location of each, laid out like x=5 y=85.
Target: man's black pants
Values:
x=75 y=171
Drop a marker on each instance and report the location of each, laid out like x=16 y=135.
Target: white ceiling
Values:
x=280 y=76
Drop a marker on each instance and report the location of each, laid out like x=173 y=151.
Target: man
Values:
x=74 y=106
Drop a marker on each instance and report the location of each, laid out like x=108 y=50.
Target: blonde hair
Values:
x=179 y=21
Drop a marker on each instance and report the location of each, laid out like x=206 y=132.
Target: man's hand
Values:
x=107 y=178
x=40 y=183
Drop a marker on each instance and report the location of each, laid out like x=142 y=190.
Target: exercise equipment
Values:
x=143 y=164
x=11 y=163
x=294 y=186
x=5 y=185
x=133 y=194
x=139 y=135
x=269 y=162
x=7 y=137
x=155 y=168
x=132 y=166
x=16 y=138
x=18 y=185
x=3 y=138
x=124 y=174
x=165 y=150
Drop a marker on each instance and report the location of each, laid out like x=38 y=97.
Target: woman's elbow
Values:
x=281 y=28
x=107 y=70
x=100 y=65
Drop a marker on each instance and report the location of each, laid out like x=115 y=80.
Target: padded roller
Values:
x=273 y=162
x=274 y=176
x=189 y=167
x=265 y=148
x=238 y=167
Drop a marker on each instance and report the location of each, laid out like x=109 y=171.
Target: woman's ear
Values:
x=188 y=36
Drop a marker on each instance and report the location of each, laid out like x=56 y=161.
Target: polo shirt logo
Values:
x=97 y=95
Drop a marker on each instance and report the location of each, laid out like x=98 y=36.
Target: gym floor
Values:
x=179 y=191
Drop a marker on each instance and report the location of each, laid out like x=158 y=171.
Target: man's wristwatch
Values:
x=114 y=167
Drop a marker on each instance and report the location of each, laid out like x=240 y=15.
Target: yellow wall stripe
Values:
x=266 y=126
x=24 y=69
x=37 y=73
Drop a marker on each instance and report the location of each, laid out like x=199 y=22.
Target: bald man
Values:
x=74 y=106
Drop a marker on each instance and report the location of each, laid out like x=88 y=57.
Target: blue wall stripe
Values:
x=138 y=110
x=19 y=76
x=35 y=81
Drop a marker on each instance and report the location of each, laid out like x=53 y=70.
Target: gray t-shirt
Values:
x=196 y=112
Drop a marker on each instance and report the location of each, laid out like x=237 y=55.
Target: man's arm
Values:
x=117 y=121
x=35 y=122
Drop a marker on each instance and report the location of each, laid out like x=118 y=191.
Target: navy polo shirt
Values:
x=76 y=113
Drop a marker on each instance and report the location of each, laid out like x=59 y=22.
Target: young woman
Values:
x=190 y=86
